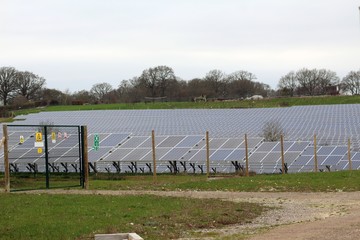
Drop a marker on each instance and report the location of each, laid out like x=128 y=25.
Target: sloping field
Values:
x=125 y=137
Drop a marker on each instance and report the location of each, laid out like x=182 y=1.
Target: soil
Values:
x=295 y=215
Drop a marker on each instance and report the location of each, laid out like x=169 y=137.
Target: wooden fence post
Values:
x=246 y=157
x=207 y=155
x=153 y=154
x=282 y=154
x=6 y=159
x=315 y=155
x=349 y=154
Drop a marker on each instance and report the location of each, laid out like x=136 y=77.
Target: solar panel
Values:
x=171 y=141
x=325 y=150
x=216 y=143
x=220 y=155
x=271 y=157
x=267 y=146
x=98 y=155
x=134 y=142
x=160 y=152
x=118 y=154
x=113 y=139
x=257 y=156
x=189 y=155
x=236 y=155
x=180 y=134
x=190 y=141
x=175 y=154
x=137 y=154
x=287 y=146
x=290 y=157
x=341 y=151
x=302 y=160
x=356 y=164
x=331 y=160
x=233 y=143
x=148 y=142
x=298 y=146
x=356 y=156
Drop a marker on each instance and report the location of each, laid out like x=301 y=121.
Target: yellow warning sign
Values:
x=53 y=137
x=39 y=140
x=38 y=136
x=39 y=150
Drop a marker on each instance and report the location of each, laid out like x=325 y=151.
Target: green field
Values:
x=266 y=103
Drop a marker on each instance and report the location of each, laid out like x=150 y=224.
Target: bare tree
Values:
x=241 y=84
x=307 y=80
x=52 y=96
x=197 y=87
x=272 y=131
x=8 y=77
x=217 y=82
x=315 y=82
x=100 y=90
x=29 y=85
x=288 y=84
x=351 y=83
x=242 y=76
x=325 y=79
x=157 y=79
x=82 y=97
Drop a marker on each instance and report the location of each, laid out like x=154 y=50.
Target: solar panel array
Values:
x=126 y=143
x=128 y=153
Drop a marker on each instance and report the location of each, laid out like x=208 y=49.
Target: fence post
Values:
x=246 y=157
x=85 y=156
x=282 y=154
x=349 y=154
x=315 y=155
x=46 y=159
x=6 y=159
x=153 y=154
x=207 y=155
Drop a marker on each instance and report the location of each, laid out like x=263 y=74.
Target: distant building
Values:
x=255 y=97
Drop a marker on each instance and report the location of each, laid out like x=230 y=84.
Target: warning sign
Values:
x=22 y=139
x=39 y=140
x=39 y=150
x=53 y=137
x=38 y=136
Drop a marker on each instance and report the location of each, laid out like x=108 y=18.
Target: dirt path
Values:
x=296 y=215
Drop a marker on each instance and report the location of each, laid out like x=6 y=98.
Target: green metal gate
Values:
x=54 y=153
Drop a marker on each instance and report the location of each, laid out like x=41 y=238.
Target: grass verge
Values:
x=298 y=182
x=43 y=216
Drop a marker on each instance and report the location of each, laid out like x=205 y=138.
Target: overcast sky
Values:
x=75 y=44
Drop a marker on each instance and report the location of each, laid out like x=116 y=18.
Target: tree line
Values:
x=313 y=82
x=20 y=88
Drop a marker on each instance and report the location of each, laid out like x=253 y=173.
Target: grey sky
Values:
x=75 y=44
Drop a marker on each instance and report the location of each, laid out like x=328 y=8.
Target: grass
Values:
x=46 y=216
x=266 y=103
x=43 y=216
x=297 y=182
